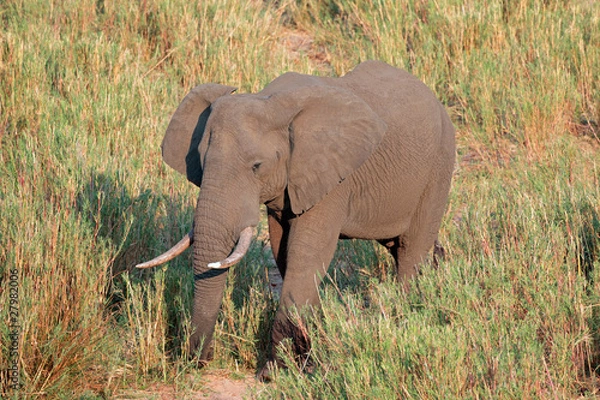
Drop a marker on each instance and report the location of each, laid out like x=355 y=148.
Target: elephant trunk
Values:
x=214 y=238
x=240 y=250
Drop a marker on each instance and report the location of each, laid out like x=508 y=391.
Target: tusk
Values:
x=240 y=250
x=171 y=253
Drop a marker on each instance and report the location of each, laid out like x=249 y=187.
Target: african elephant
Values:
x=369 y=155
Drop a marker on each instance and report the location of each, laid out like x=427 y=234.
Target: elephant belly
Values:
x=376 y=228
x=382 y=208
x=374 y=218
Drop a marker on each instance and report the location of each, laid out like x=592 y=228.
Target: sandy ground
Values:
x=215 y=386
x=220 y=388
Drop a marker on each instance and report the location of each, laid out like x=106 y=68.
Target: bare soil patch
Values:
x=224 y=388
x=215 y=385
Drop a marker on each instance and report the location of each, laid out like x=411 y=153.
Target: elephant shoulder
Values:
x=383 y=80
x=392 y=92
x=377 y=70
x=290 y=81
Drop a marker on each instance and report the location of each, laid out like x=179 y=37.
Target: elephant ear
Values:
x=332 y=133
x=185 y=131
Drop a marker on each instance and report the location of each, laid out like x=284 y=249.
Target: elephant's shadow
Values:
x=138 y=228
x=588 y=257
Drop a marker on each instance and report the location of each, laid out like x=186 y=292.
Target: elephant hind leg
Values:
x=407 y=257
x=279 y=230
x=412 y=248
x=439 y=253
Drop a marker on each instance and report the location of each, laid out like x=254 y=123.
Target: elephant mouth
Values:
x=238 y=253
x=242 y=246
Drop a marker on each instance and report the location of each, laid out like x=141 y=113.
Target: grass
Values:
x=87 y=91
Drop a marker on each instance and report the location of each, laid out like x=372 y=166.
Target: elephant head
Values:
x=287 y=147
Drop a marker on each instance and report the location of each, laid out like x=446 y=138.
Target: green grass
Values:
x=87 y=89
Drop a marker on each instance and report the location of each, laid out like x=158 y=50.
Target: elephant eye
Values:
x=255 y=167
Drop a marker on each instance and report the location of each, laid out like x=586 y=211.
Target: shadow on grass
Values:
x=589 y=239
x=139 y=228
x=589 y=262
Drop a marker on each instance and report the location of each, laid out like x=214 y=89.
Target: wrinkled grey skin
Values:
x=369 y=155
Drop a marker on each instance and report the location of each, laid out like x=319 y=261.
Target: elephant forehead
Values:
x=241 y=119
x=240 y=109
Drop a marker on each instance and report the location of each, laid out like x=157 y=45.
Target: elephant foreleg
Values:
x=311 y=243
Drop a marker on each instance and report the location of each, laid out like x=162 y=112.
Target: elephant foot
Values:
x=201 y=359
x=267 y=373
x=439 y=253
x=200 y=363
